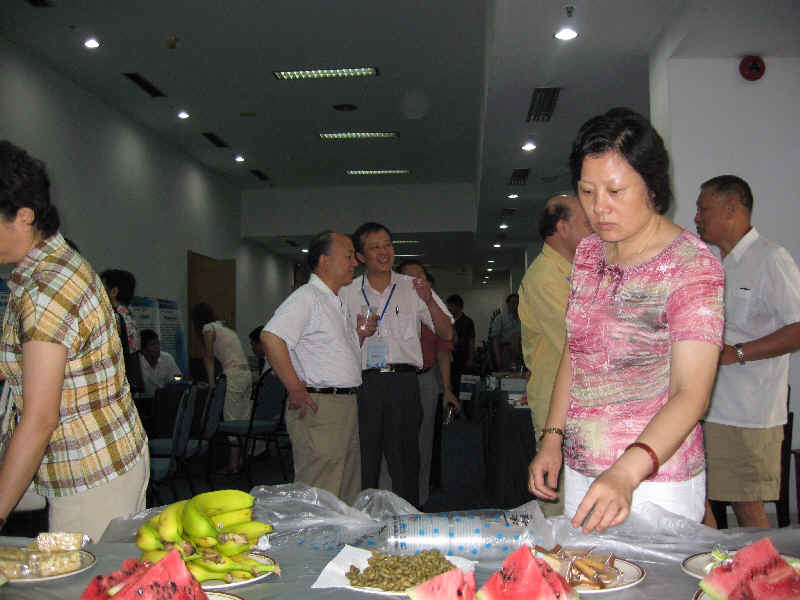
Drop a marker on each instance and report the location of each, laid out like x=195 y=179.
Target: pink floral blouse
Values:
x=621 y=324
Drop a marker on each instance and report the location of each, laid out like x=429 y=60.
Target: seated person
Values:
x=158 y=368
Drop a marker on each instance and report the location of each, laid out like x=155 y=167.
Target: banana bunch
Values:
x=214 y=532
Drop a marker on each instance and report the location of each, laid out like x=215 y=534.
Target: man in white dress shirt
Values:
x=312 y=344
x=158 y=368
x=744 y=426
x=389 y=409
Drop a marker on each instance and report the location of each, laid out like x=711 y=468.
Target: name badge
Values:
x=377 y=353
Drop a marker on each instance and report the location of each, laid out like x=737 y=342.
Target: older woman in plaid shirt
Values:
x=79 y=436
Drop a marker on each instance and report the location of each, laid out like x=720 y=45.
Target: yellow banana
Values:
x=203 y=542
x=153 y=556
x=202 y=574
x=170 y=526
x=147 y=538
x=232 y=543
x=222 y=501
x=196 y=523
x=252 y=529
x=234 y=517
x=244 y=575
x=153 y=521
x=185 y=547
x=214 y=561
x=256 y=566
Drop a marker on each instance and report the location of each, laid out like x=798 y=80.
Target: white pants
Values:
x=685 y=498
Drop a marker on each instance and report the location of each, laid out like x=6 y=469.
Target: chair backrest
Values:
x=165 y=408
x=213 y=413
x=182 y=430
x=269 y=399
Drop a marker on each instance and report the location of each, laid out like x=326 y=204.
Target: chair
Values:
x=167 y=468
x=202 y=437
x=265 y=422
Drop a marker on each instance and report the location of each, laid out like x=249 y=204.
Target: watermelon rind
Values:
x=454 y=584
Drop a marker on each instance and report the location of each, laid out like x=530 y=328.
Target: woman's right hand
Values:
x=544 y=468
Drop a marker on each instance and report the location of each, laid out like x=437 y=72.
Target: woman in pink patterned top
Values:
x=644 y=330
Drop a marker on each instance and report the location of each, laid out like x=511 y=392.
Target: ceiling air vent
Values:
x=543 y=104
x=519 y=177
x=145 y=84
x=40 y=3
x=508 y=212
x=260 y=174
x=292 y=243
x=215 y=139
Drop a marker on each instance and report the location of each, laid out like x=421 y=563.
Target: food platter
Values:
x=695 y=565
x=87 y=561
x=631 y=575
x=222 y=596
x=220 y=584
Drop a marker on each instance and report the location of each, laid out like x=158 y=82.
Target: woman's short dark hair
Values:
x=123 y=280
x=24 y=184
x=634 y=137
x=147 y=336
x=202 y=313
x=456 y=299
x=255 y=335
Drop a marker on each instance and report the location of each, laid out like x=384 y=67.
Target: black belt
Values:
x=424 y=370
x=394 y=368
x=332 y=390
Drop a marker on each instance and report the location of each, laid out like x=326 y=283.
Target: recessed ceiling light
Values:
x=239 y=158
x=183 y=115
x=528 y=146
x=489 y=270
x=378 y=171
x=326 y=73
x=496 y=245
x=304 y=250
x=358 y=135
x=490 y=261
x=91 y=43
x=503 y=225
x=484 y=282
x=565 y=34
x=513 y=196
x=405 y=241
x=408 y=255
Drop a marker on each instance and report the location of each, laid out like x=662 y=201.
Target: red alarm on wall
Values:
x=752 y=68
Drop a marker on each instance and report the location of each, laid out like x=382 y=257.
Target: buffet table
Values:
x=301 y=565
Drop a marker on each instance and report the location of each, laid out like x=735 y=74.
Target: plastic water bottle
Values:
x=488 y=534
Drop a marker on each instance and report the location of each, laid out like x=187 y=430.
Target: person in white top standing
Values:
x=158 y=368
x=389 y=409
x=312 y=343
x=222 y=343
x=744 y=426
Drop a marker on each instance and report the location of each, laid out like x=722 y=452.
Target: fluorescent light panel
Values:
x=326 y=73
x=408 y=255
x=378 y=171
x=358 y=135
x=405 y=241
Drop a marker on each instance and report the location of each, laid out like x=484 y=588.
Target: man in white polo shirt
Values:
x=313 y=347
x=389 y=409
x=744 y=426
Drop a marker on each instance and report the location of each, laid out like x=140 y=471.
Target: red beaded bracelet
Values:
x=651 y=452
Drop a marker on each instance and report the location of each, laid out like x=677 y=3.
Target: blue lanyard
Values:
x=385 y=306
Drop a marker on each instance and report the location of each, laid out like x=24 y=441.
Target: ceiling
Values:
x=455 y=81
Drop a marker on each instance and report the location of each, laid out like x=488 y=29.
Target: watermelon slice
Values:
x=455 y=584
x=98 y=587
x=168 y=579
x=522 y=577
x=756 y=571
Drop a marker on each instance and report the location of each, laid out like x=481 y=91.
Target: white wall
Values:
x=720 y=123
x=127 y=199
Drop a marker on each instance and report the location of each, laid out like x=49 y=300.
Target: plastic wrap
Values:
x=55 y=540
x=21 y=563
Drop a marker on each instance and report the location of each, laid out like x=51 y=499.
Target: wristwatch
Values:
x=739 y=352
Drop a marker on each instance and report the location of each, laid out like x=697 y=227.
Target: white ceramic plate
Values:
x=701 y=595
x=87 y=561
x=695 y=565
x=220 y=584
x=222 y=596
x=632 y=574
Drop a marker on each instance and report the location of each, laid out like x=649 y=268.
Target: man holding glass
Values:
x=389 y=410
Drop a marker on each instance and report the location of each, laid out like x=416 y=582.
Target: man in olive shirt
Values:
x=543 y=296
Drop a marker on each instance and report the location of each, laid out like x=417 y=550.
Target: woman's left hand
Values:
x=607 y=503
